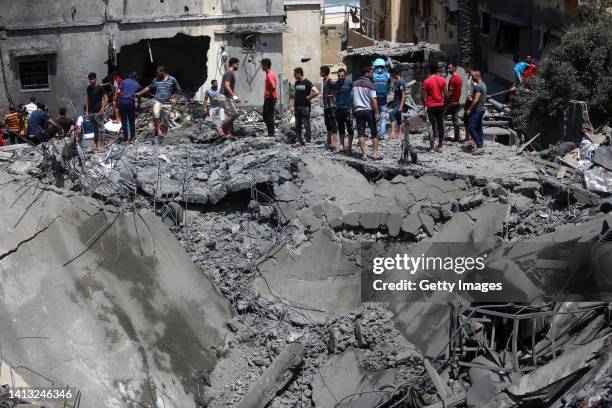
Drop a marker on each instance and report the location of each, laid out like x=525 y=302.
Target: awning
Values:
x=508 y=18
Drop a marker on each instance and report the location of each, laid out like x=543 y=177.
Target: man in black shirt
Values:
x=303 y=93
x=65 y=123
x=228 y=98
x=329 y=109
x=96 y=102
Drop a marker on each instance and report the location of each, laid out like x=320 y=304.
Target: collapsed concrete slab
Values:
x=102 y=301
x=318 y=281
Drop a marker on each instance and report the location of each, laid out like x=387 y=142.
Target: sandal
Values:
x=364 y=157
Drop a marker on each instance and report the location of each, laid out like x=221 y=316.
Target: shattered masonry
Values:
x=261 y=306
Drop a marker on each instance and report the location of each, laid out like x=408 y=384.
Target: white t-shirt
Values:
x=30 y=107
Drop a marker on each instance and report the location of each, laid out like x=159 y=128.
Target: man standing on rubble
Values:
x=329 y=109
x=366 y=111
x=468 y=101
x=125 y=100
x=167 y=92
x=228 y=99
x=96 y=103
x=476 y=112
x=399 y=98
x=304 y=93
x=435 y=92
x=382 y=80
x=453 y=105
x=344 y=103
x=211 y=102
x=270 y=95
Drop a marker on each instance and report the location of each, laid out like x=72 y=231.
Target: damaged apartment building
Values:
x=48 y=48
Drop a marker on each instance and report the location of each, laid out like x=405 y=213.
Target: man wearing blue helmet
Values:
x=381 y=79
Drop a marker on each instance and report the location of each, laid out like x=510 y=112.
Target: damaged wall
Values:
x=79 y=38
x=302 y=47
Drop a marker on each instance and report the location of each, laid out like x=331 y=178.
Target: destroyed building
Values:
x=47 y=48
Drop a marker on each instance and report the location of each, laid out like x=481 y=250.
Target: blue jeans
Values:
x=382 y=125
x=475 y=128
x=396 y=114
x=127 y=110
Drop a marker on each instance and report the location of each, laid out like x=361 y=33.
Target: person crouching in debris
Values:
x=304 y=92
x=125 y=100
x=38 y=126
x=228 y=99
x=66 y=123
x=477 y=111
x=270 y=95
x=365 y=107
x=167 y=92
x=435 y=93
x=344 y=104
x=329 y=109
x=399 y=98
x=96 y=103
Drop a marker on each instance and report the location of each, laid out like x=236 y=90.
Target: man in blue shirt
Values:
x=519 y=74
x=381 y=81
x=167 y=91
x=38 y=125
x=342 y=95
x=125 y=98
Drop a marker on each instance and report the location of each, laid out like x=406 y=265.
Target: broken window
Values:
x=485 y=24
x=507 y=38
x=250 y=42
x=34 y=74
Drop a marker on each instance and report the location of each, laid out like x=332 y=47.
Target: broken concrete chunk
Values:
x=411 y=224
x=351 y=219
x=332 y=213
x=472 y=201
x=394 y=224
x=527 y=188
x=428 y=224
x=287 y=192
x=370 y=220
x=495 y=190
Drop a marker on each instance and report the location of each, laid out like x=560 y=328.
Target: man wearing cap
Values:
x=381 y=82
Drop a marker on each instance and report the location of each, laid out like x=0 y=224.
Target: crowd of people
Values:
x=363 y=101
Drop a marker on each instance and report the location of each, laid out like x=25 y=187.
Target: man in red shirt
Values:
x=530 y=71
x=270 y=95
x=435 y=92
x=453 y=106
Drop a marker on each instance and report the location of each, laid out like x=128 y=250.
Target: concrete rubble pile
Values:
x=279 y=234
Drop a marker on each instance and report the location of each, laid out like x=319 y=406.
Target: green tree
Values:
x=579 y=68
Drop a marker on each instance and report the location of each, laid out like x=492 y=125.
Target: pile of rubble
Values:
x=280 y=232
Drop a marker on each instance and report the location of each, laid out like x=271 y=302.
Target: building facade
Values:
x=47 y=48
x=520 y=27
x=302 y=45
